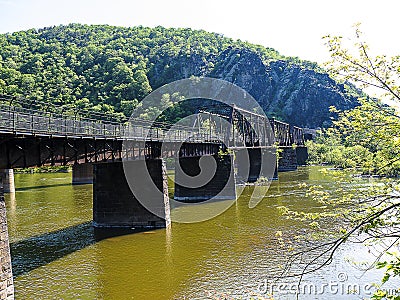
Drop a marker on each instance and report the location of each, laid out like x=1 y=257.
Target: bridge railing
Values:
x=34 y=122
x=297 y=136
x=286 y=134
x=168 y=133
x=50 y=107
x=27 y=121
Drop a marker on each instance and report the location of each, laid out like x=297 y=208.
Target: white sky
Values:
x=292 y=27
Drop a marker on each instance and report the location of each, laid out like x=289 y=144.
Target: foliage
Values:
x=101 y=68
x=392 y=270
x=106 y=68
x=363 y=216
x=366 y=138
x=361 y=68
x=45 y=169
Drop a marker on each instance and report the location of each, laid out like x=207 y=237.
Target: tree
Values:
x=370 y=133
x=381 y=72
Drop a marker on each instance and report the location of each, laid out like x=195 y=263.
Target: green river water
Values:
x=57 y=255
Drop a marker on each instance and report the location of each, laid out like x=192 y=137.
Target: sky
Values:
x=294 y=28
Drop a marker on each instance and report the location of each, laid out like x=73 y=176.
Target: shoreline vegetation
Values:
x=44 y=169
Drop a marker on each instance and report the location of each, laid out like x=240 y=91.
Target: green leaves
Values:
x=355 y=64
x=364 y=138
x=392 y=269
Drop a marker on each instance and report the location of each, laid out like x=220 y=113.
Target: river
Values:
x=57 y=255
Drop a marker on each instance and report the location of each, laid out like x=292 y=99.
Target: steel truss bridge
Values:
x=40 y=134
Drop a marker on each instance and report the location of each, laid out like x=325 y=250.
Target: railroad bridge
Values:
x=115 y=155
x=31 y=135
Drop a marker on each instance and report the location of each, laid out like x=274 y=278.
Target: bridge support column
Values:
x=114 y=203
x=6 y=277
x=287 y=160
x=7 y=176
x=189 y=185
x=250 y=166
x=302 y=155
x=248 y=163
x=82 y=173
x=270 y=166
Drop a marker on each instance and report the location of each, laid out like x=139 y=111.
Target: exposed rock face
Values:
x=175 y=68
x=285 y=90
x=290 y=92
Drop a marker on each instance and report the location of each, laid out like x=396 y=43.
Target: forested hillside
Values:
x=109 y=69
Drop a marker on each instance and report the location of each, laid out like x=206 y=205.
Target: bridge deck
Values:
x=32 y=137
x=21 y=121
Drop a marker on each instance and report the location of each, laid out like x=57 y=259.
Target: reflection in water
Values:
x=58 y=255
x=168 y=244
x=12 y=206
x=27 y=188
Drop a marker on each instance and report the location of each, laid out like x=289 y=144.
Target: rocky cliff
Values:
x=284 y=90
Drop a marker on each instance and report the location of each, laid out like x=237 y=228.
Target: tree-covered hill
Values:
x=107 y=68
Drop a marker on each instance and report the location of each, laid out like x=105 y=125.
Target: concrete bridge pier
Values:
x=116 y=205
x=255 y=163
x=7 y=177
x=301 y=155
x=82 y=173
x=196 y=180
x=287 y=159
x=248 y=164
x=6 y=277
x=270 y=165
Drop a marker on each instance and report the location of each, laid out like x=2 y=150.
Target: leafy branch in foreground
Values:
x=363 y=69
x=365 y=138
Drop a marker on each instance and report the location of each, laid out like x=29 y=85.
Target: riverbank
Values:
x=45 y=169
